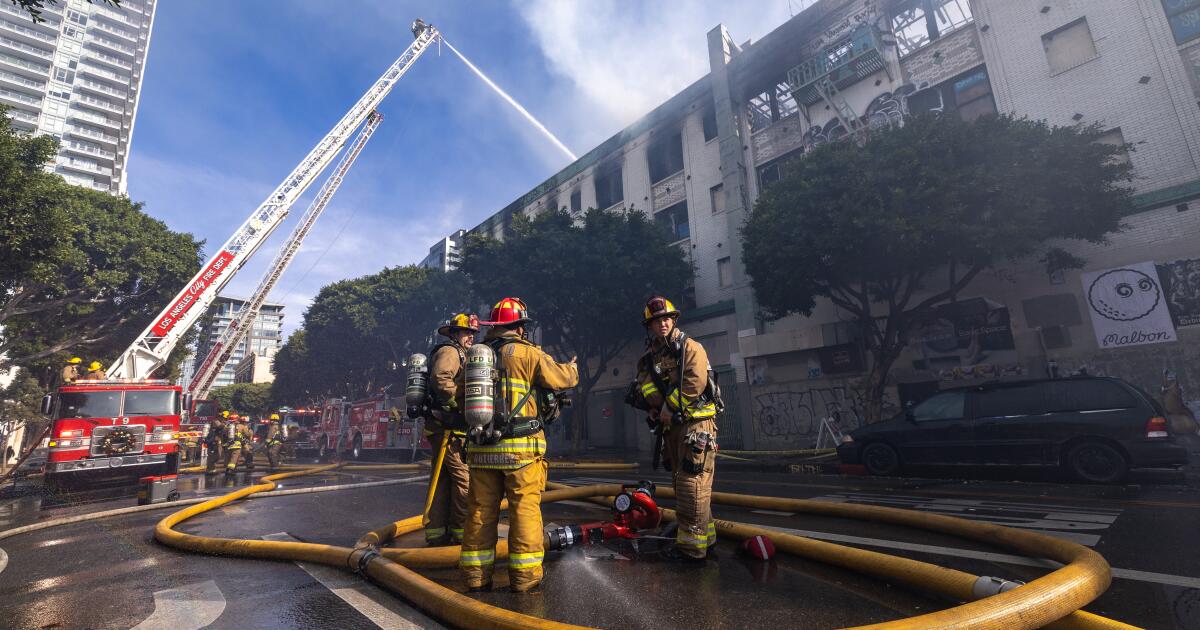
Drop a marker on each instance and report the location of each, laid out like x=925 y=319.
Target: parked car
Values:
x=1095 y=428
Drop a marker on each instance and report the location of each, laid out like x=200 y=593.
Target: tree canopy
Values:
x=252 y=399
x=81 y=271
x=890 y=229
x=585 y=282
x=35 y=7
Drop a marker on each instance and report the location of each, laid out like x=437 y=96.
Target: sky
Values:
x=235 y=93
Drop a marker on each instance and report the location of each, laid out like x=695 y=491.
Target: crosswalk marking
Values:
x=188 y=607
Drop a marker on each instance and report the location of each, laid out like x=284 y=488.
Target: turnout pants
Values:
x=215 y=453
x=693 y=490
x=449 y=508
x=523 y=488
x=232 y=454
x=248 y=456
x=273 y=453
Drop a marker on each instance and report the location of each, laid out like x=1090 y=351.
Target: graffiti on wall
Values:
x=792 y=415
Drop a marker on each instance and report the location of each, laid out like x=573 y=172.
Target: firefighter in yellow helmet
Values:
x=449 y=506
x=675 y=385
x=96 y=371
x=277 y=434
x=231 y=443
x=514 y=467
x=214 y=439
x=246 y=436
x=70 y=371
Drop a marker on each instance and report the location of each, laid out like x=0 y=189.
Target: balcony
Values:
x=20 y=98
x=119 y=32
x=52 y=22
x=88 y=148
x=98 y=55
x=98 y=119
x=13 y=44
x=102 y=88
x=90 y=68
x=11 y=78
x=98 y=103
x=20 y=115
x=28 y=33
x=13 y=61
x=85 y=166
x=843 y=64
x=111 y=44
x=91 y=134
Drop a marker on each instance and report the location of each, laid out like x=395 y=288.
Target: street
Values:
x=1145 y=531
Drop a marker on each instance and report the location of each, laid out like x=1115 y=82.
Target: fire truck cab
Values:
x=112 y=428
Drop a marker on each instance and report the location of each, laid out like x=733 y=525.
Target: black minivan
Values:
x=1095 y=428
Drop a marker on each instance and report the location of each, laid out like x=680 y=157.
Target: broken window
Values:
x=758 y=112
x=609 y=191
x=973 y=95
x=1184 y=18
x=1116 y=138
x=1069 y=46
x=675 y=220
x=709 y=120
x=785 y=104
x=665 y=156
x=916 y=23
x=716 y=195
x=724 y=273
x=577 y=201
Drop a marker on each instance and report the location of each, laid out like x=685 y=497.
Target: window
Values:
x=609 y=191
x=1089 y=395
x=1184 y=18
x=1115 y=138
x=716 y=195
x=1006 y=402
x=916 y=23
x=64 y=75
x=772 y=171
x=77 y=18
x=709 y=120
x=785 y=104
x=577 y=201
x=90 y=404
x=552 y=204
x=758 y=112
x=724 y=273
x=675 y=220
x=973 y=95
x=150 y=403
x=943 y=406
x=1069 y=46
x=665 y=156
x=774 y=105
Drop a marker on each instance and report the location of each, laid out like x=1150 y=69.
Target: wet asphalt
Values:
x=105 y=573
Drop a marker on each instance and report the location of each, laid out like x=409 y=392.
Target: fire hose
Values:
x=1051 y=601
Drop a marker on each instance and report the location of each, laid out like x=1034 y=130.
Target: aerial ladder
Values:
x=237 y=330
x=128 y=419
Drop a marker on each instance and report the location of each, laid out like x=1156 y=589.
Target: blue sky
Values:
x=236 y=92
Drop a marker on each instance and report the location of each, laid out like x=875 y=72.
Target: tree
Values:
x=20 y=405
x=253 y=399
x=80 y=270
x=35 y=7
x=291 y=386
x=585 y=282
x=889 y=230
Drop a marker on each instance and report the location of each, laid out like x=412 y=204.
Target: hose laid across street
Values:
x=1052 y=600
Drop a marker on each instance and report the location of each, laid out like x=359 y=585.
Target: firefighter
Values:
x=96 y=372
x=277 y=434
x=446 y=389
x=246 y=436
x=515 y=466
x=70 y=371
x=213 y=440
x=231 y=443
x=673 y=380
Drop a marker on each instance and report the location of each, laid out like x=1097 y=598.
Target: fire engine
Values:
x=304 y=426
x=194 y=425
x=371 y=428
x=112 y=424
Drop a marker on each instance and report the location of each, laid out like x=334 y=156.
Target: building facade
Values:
x=699 y=161
x=446 y=254
x=255 y=369
x=264 y=339
x=77 y=75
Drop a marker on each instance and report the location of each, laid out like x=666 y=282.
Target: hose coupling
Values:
x=369 y=553
x=986 y=586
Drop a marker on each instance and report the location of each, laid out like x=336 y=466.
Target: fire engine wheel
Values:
x=356 y=450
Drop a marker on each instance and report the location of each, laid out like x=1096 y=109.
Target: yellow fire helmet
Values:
x=462 y=321
x=74 y=360
x=93 y=366
x=274 y=416
x=658 y=306
x=224 y=414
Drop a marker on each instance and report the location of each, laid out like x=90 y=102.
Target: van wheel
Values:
x=1096 y=462
x=356 y=451
x=881 y=459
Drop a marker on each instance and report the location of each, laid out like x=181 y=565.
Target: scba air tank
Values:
x=480 y=387
x=418 y=384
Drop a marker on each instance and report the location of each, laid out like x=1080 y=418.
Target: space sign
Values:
x=1128 y=306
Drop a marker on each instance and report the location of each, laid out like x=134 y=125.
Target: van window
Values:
x=1017 y=400
x=95 y=404
x=1089 y=395
x=943 y=406
x=151 y=402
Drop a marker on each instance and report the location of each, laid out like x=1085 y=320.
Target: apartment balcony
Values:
x=90 y=134
x=52 y=23
x=16 y=46
x=110 y=13
x=81 y=148
x=22 y=116
x=124 y=35
x=98 y=103
x=84 y=166
x=14 y=62
x=14 y=97
x=110 y=44
x=94 y=118
x=12 y=79
x=842 y=64
x=29 y=34
x=93 y=69
x=100 y=88
x=103 y=57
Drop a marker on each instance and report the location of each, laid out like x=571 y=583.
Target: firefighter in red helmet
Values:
x=446 y=422
x=675 y=385
x=513 y=467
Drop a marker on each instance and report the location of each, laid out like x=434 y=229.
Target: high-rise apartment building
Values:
x=446 y=253
x=264 y=340
x=77 y=75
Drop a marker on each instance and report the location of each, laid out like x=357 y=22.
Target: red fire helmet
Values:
x=508 y=311
x=759 y=547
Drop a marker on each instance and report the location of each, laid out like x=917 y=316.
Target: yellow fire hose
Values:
x=806 y=451
x=433 y=479
x=1052 y=600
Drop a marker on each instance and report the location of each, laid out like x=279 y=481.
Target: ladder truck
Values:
x=127 y=421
